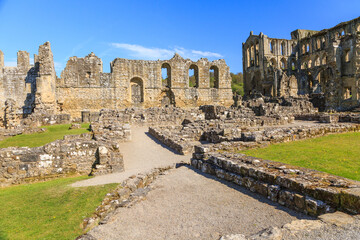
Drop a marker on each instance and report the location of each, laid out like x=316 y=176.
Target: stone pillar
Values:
x=23 y=61
x=46 y=80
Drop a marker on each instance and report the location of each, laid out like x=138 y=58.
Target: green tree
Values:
x=237 y=83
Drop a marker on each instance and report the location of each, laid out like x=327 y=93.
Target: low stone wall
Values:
x=150 y=116
x=37 y=120
x=111 y=131
x=180 y=145
x=304 y=190
x=183 y=138
x=76 y=154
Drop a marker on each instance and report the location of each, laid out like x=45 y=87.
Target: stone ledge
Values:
x=302 y=189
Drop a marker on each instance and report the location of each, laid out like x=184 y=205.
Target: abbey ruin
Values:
x=84 y=87
x=325 y=65
x=146 y=126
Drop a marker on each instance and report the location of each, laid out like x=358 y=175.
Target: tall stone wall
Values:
x=84 y=86
x=320 y=64
x=139 y=83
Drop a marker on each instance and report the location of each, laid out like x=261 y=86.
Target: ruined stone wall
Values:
x=17 y=83
x=321 y=64
x=73 y=155
x=84 y=87
x=294 y=187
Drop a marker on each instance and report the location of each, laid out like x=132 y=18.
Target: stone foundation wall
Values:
x=304 y=190
x=75 y=154
x=150 y=116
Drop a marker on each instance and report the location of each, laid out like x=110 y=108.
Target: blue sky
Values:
x=152 y=29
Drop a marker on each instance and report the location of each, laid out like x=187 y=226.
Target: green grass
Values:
x=48 y=210
x=337 y=154
x=51 y=134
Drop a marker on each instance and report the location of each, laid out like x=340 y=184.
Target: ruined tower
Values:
x=45 y=98
x=322 y=65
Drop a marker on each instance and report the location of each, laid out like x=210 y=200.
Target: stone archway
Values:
x=137 y=90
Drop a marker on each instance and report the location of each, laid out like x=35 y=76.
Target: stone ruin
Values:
x=280 y=95
x=324 y=65
x=83 y=86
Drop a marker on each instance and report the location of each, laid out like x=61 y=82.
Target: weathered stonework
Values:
x=84 y=86
x=298 y=188
x=73 y=155
x=321 y=64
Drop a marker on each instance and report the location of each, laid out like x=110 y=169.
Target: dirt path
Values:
x=185 y=204
x=141 y=154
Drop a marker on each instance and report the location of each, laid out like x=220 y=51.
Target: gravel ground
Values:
x=327 y=232
x=186 y=204
x=141 y=154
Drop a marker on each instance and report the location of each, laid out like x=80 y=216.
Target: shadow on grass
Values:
x=253 y=195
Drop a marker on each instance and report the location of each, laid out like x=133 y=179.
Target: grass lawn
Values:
x=48 y=210
x=338 y=154
x=52 y=133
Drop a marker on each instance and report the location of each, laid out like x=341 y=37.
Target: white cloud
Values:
x=206 y=54
x=142 y=52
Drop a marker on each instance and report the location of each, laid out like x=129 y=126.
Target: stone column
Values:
x=46 y=80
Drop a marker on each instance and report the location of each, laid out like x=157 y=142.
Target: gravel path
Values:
x=141 y=154
x=186 y=204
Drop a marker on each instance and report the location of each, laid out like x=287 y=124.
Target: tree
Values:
x=237 y=83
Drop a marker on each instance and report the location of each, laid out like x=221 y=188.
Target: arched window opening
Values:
x=358 y=28
x=321 y=77
x=307 y=47
x=303 y=48
x=137 y=90
x=293 y=67
x=248 y=57
x=283 y=64
x=293 y=48
x=317 y=62
x=347 y=93
x=252 y=55
x=304 y=65
x=323 y=43
x=347 y=55
x=283 y=48
x=272 y=46
x=166 y=75
x=309 y=64
x=273 y=63
x=214 y=77
x=193 y=76
x=257 y=54
x=342 y=33
x=318 y=43
x=310 y=82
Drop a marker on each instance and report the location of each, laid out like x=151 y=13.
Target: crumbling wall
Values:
x=324 y=64
x=138 y=83
x=294 y=187
x=73 y=155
